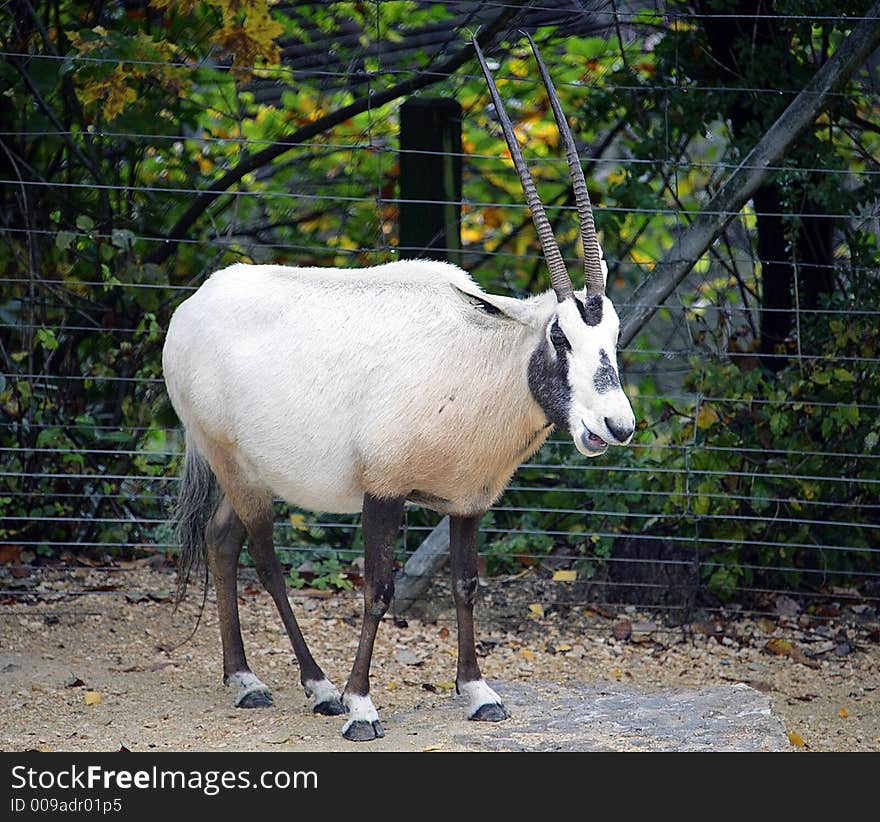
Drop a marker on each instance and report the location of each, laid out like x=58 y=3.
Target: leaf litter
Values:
x=820 y=666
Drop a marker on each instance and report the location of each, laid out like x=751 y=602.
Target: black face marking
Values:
x=605 y=379
x=591 y=310
x=548 y=382
x=558 y=338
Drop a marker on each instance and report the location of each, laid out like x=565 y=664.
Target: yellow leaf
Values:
x=429 y=748
x=617 y=673
x=298 y=521
x=471 y=235
x=529 y=655
x=706 y=416
x=252 y=39
x=843 y=713
x=563 y=646
x=796 y=739
x=565 y=576
x=546 y=132
x=642 y=259
x=92 y=698
x=518 y=68
x=536 y=609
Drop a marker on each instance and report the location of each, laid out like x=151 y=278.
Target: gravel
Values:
x=115 y=667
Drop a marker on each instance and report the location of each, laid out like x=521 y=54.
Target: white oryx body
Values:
x=345 y=390
x=383 y=380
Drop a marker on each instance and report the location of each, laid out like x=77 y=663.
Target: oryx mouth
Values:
x=592 y=442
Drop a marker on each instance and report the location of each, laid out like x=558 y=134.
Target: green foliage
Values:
x=124 y=114
x=772 y=471
x=327 y=573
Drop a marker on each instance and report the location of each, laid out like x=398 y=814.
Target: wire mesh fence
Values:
x=755 y=469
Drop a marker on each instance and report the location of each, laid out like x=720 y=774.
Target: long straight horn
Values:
x=595 y=282
x=559 y=278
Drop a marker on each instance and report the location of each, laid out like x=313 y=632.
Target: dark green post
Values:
x=430 y=171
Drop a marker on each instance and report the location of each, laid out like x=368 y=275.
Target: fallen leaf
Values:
x=82 y=559
x=74 y=682
x=93 y=698
x=437 y=687
x=529 y=655
x=780 y=647
x=565 y=576
x=536 y=609
x=797 y=655
x=843 y=713
x=123 y=749
x=10 y=554
x=796 y=739
x=617 y=673
x=429 y=748
x=622 y=630
x=563 y=646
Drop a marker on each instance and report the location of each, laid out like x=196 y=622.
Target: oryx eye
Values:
x=558 y=338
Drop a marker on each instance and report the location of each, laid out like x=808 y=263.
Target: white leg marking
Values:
x=322 y=690
x=477 y=694
x=246 y=683
x=360 y=709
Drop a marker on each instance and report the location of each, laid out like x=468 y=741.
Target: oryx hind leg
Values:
x=326 y=697
x=224 y=539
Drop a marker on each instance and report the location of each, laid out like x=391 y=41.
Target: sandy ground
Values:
x=111 y=668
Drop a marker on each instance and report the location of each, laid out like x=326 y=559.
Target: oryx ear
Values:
x=493 y=305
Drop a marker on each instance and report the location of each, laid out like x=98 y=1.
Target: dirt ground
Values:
x=111 y=669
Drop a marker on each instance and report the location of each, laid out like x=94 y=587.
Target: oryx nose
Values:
x=621 y=433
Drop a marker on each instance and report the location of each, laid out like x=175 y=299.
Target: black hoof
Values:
x=490 y=712
x=255 y=699
x=363 y=731
x=330 y=707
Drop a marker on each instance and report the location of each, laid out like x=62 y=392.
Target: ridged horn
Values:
x=594 y=281
x=559 y=278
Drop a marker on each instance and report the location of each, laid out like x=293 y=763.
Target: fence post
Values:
x=430 y=227
x=430 y=178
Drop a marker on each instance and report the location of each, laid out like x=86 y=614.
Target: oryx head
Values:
x=573 y=372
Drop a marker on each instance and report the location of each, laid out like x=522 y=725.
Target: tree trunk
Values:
x=803 y=250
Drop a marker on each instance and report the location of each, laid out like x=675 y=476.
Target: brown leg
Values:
x=380 y=523
x=224 y=538
x=262 y=549
x=483 y=703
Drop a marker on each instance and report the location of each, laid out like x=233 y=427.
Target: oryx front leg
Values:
x=483 y=704
x=380 y=524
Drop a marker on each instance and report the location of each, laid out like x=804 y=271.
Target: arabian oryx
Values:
x=347 y=390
